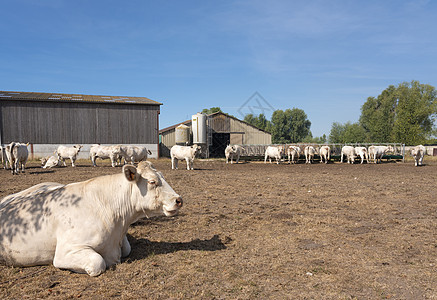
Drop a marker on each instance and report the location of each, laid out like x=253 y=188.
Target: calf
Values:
x=187 y=153
x=362 y=152
x=65 y=152
x=350 y=154
x=309 y=152
x=112 y=152
x=275 y=152
x=82 y=226
x=50 y=162
x=17 y=154
x=418 y=153
x=377 y=152
x=325 y=153
x=134 y=154
x=230 y=151
x=293 y=152
x=4 y=158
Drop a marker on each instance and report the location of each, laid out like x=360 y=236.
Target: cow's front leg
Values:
x=125 y=247
x=174 y=163
x=72 y=161
x=83 y=260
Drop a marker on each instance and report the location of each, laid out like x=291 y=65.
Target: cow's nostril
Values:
x=179 y=202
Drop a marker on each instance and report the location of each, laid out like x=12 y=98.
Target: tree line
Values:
x=400 y=114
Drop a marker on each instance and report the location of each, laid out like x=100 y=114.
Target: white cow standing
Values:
x=309 y=152
x=82 y=226
x=65 y=152
x=275 y=152
x=187 y=153
x=134 y=154
x=350 y=154
x=293 y=152
x=377 y=152
x=17 y=155
x=4 y=158
x=230 y=151
x=362 y=152
x=325 y=153
x=112 y=152
x=418 y=152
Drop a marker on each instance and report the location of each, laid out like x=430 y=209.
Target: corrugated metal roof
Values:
x=58 y=97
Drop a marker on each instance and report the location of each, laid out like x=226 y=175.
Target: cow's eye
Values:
x=153 y=182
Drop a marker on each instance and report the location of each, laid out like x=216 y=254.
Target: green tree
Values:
x=402 y=114
x=336 y=134
x=249 y=118
x=377 y=115
x=309 y=139
x=289 y=126
x=415 y=113
x=211 y=110
x=259 y=121
x=347 y=133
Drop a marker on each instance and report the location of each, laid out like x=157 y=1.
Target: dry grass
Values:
x=257 y=231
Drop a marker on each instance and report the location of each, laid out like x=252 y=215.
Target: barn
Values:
x=46 y=120
x=222 y=129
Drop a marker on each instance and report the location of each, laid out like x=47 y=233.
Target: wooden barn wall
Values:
x=84 y=123
x=242 y=133
x=168 y=140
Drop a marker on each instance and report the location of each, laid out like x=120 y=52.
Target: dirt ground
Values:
x=262 y=231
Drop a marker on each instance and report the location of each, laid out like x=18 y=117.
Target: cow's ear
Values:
x=130 y=172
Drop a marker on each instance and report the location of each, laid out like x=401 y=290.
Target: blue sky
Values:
x=325 y=57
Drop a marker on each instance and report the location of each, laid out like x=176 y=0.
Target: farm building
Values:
x=221 y=130
x=46 y=120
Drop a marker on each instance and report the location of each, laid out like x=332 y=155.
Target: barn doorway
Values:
x=219 y=143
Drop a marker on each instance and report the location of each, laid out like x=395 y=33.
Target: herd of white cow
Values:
x=82 y=226
x=15 y=155
x=349 y=153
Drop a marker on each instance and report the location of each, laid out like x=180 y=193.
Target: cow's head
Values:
x=154 y=195
x=196 y=148
x=43 y=160
x=118 y=150
x=390 y=149
x=78 y=147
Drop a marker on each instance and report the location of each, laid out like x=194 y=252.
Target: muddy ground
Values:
x=262 y=231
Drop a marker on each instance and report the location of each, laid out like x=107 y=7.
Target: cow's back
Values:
x=28 y=231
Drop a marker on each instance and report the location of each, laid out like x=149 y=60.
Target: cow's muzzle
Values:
x=179 y=202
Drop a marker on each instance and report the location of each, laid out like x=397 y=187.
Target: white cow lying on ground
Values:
x=418 y=153
x=377 y=152
x=325 y=153
x=293 y=152
x=82 y=226
x=362 y=152
x=350 y=154
x=65 y=152
x=187 y=153
x=275 y=152
x=309 y=152
x=230 y=151
x=133 y=154
x=17 y=154
x=112 y=152
x=50 y=162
